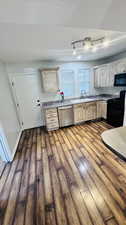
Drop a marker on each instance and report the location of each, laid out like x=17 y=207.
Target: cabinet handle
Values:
x=65 y=107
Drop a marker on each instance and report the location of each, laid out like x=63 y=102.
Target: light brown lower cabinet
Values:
x=90 y=111
x=99 y=109
x=51 y=118
x=84 y=112
x=68 y=115
x=102 y=109
x=78 y=110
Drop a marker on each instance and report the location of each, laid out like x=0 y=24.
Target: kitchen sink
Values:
x=82 y=100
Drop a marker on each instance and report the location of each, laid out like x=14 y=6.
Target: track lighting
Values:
x=88 y=43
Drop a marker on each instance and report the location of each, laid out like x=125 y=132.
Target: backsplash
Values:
x=112 y=90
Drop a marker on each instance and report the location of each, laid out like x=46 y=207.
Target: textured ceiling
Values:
x=44 y=29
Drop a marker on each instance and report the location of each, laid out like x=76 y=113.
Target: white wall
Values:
x=34 y=67
x=8 y=116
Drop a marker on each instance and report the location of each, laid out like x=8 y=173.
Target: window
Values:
x=72 y=82
x=84 y=80
x=67 y=82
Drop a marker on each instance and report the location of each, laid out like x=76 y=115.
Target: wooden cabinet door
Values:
x=99 y=109
x=50 y=80
x=105 y=78
x=97 y=77
x=112 y=72
x=121 y=66
x=101 y=76
x=90 y=110
x=104 y=109
x=78 y=113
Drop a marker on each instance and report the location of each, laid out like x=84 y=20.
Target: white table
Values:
x=116 y=139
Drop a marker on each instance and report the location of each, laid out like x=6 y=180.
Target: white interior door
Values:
x=27 y=90
x=5 y=153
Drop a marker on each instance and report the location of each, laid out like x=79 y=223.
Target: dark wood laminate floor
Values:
x=2 y=167
x=64 y=177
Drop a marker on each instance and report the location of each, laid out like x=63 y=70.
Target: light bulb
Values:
x=79 y=57
x=106 y=43
x=94 y=49
x=74 y=52
x=86 y=47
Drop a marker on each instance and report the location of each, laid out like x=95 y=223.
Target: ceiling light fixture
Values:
x=88 y=43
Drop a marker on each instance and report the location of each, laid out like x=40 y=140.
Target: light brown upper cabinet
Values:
x=50 y=81
x=104 y=74
x=102 y=77
x=121 y=66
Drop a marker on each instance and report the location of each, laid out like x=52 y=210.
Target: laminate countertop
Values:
x=54 y=104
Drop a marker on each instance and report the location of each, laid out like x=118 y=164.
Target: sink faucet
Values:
x=83 y=93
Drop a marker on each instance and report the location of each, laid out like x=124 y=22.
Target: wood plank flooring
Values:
x=2 y=167
x=64 y=177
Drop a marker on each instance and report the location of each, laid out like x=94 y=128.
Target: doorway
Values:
x=26 y=91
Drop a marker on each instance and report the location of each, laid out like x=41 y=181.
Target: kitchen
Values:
x=62 y=112
x=85 y=108
x=87 y=83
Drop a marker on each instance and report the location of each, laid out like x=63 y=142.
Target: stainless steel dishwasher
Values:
x=65 y=115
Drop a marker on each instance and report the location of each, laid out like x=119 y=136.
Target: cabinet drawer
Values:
x=50 y=111
x=52 y=126
x=51 y=115
x=77 y=106
x=53 y=119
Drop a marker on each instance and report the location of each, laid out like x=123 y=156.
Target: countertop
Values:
x=116 y=140
x=53 y=104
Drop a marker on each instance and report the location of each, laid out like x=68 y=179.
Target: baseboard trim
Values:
x=16 y=145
